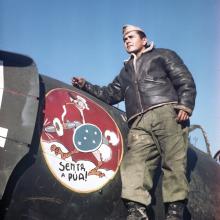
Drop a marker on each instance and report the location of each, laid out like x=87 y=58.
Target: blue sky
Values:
x=83 y=37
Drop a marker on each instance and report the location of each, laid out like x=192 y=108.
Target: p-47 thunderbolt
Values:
x=61 y=150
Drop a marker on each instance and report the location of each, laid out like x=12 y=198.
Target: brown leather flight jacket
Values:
x=157 y=78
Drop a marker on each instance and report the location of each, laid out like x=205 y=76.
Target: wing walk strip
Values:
x=3 y=131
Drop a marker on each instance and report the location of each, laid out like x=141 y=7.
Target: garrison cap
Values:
x=128 y=28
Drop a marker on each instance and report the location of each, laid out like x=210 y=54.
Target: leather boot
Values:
x=136 y=211
x=175 y=210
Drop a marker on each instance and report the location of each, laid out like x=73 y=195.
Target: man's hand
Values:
x=182 y=116
x=78 y=81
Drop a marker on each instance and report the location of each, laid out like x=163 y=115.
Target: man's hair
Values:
x=141 y=34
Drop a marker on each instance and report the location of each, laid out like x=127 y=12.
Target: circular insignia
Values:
x=82 y=150
x=87 y=138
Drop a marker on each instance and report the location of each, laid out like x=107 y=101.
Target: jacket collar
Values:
x=149 y=48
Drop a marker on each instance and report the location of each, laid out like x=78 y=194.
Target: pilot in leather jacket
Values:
x=159 y=94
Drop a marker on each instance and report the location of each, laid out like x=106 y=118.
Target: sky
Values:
x=84 y=38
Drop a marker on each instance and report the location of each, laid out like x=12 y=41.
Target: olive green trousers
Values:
x=155 y=138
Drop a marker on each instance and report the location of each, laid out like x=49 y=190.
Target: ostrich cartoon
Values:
x=89 y=138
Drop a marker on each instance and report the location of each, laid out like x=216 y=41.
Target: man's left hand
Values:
x=182 y=116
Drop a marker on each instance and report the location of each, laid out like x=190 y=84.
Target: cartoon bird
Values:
x=87 y=138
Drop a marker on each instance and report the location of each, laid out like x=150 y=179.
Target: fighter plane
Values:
x=61 y=150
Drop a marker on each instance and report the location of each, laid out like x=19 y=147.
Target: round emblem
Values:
x=82 y=150
x=87 y=138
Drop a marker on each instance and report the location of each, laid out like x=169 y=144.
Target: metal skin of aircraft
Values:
x=61 y=149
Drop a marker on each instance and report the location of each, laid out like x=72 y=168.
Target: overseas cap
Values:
x=128 y=28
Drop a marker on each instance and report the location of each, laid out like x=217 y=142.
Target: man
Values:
x=159 y=94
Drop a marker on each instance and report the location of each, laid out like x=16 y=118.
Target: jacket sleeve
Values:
x=182 y=81
x=111 y=94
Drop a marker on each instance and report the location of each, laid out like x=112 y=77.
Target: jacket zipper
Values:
x=136 y=83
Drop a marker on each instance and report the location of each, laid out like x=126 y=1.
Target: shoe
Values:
x=175 y=210
x=136 y=211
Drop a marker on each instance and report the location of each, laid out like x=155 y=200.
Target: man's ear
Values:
x=144 y=41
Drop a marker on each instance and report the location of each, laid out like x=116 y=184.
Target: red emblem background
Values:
x=55 y=100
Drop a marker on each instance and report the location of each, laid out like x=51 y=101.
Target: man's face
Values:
x=133 y=43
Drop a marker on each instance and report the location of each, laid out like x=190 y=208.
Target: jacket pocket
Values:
x=155 y=80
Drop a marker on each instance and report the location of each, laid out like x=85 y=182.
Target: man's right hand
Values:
x=78 y=81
